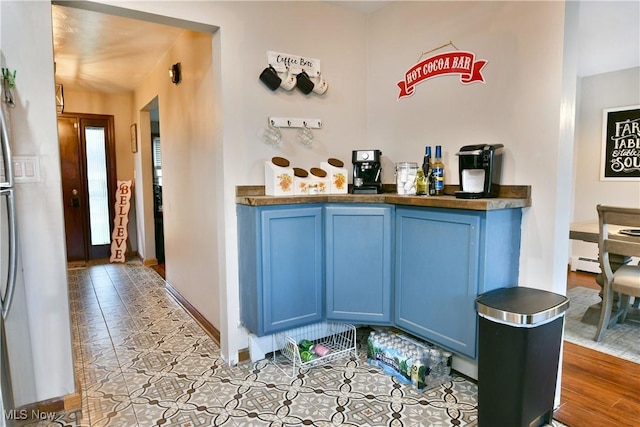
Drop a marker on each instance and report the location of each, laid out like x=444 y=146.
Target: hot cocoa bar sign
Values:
x=460 y=63
x=620 y=159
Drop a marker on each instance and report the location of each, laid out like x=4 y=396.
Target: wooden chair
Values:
x=625 y=280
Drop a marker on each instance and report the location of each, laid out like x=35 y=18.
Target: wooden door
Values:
x=74 y=132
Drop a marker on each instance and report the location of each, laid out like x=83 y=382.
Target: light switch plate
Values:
x=26 y=169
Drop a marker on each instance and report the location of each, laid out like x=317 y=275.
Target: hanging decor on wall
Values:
x=287 y=71
x=8 y=83
x=59 y=98
x=133 y=130
x=175 y=73
x=295 y=63
x=620 y=158
x=457 y=62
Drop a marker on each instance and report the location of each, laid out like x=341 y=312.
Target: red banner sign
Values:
x=456 y=62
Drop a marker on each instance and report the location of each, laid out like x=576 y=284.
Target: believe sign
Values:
x=121 y=220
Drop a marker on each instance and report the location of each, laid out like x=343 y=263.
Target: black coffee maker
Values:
x=367 y=172
x=480 y=167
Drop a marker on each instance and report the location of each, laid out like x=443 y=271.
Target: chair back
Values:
x=611 y=220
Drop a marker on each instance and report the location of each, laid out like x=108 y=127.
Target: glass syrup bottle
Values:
x=438 y=172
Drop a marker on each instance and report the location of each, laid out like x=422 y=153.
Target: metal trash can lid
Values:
x=520 y=305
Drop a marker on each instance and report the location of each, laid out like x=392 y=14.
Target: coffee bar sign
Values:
x=281 y=61
x=620 y=157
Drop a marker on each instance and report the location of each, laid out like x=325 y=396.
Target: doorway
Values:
x=87 y=161
x=156 y=162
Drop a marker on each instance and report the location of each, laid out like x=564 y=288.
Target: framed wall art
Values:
x=620 y=156
x=134 y=138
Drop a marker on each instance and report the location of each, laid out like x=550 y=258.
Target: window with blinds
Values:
x=157 y=161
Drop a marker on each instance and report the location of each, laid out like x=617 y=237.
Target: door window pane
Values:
x=97 y=181
x=157 y=161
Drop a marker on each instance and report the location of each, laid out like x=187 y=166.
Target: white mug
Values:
x=288 y=80
x=320 y=85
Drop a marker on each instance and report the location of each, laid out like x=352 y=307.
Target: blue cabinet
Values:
x=417 y=268
x=281 y=267
x=359 y=273
x=444 y=259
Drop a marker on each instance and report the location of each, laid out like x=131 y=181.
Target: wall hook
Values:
x=285 y=122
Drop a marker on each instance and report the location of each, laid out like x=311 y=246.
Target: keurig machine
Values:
x=367 y=172
x=480 y=167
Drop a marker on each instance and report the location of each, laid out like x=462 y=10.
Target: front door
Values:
x=87 y=160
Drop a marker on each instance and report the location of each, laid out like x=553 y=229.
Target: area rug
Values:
x=622 y=340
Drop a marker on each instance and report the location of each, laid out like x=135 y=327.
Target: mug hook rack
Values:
x=290 y=122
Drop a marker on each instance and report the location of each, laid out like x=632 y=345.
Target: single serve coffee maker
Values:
x=480 y=167
x=367 y=171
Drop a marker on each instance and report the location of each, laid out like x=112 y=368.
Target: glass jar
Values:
x=406 y=178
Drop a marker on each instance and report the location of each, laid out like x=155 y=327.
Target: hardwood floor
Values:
x=160 y=270
x=597 y=389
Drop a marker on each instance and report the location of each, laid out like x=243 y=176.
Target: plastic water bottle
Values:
x=446 y=361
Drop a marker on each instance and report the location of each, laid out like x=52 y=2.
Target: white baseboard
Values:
x=585 y=264
x=465 y=366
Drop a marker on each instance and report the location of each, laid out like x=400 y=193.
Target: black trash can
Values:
x=520 y=334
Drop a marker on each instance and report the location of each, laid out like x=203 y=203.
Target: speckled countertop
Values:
x=518 y=196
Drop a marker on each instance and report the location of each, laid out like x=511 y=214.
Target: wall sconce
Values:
x=175 y=73
x=59 y=99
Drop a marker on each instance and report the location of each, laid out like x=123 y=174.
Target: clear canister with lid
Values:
x=406 y=177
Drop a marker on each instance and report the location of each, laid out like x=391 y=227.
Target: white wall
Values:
x=519 y=106
x=241 y=106
x=597 y=92
x=27 y=47
x=363 y=58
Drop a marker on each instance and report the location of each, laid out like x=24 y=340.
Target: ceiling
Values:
x=94 y=51
x=106 y=53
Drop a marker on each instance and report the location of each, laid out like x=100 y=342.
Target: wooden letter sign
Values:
x=119 y=235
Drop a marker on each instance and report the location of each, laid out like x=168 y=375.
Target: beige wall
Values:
x=116 y=105
x=189 y=173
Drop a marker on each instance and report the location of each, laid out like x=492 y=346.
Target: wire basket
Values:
x=338 y=338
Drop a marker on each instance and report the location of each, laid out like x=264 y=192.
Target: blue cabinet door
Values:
x=437 y=269
x=281 y=268
x=359 y=263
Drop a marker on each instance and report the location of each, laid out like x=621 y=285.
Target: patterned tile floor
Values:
x=143 y=361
